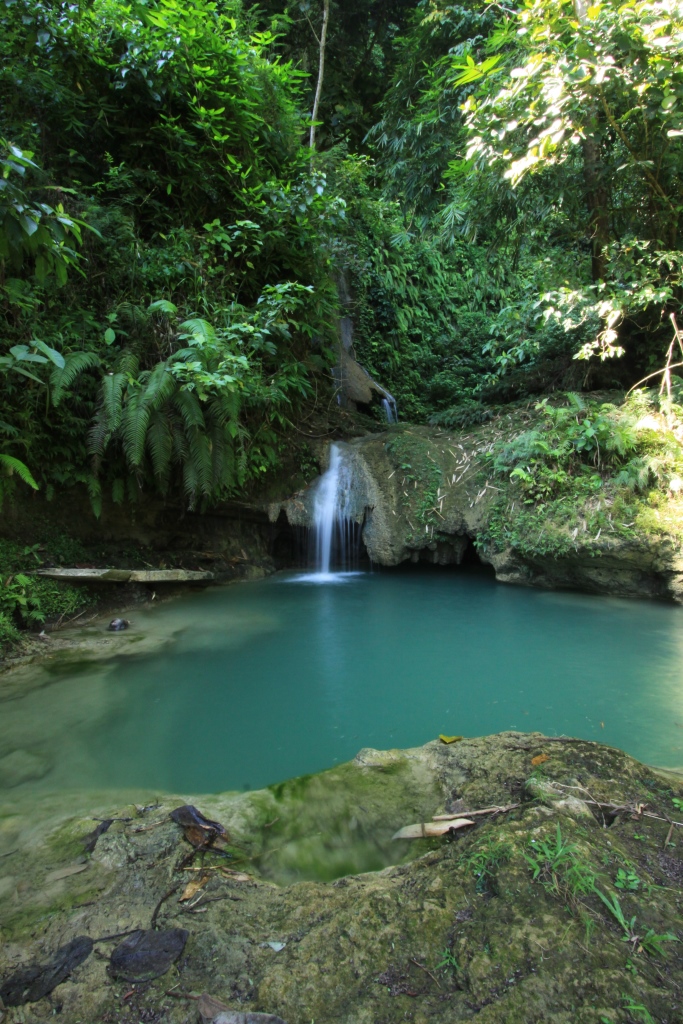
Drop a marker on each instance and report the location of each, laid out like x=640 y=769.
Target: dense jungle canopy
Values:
x=501 y=187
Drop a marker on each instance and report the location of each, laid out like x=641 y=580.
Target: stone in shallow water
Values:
x=22 y=766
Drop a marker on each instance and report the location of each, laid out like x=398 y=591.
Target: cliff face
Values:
x=427 y=494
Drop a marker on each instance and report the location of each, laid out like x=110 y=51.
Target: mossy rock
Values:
x=450 y=929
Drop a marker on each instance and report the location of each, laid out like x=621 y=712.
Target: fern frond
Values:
x=200 y=332
x=182 y=355
x=99 y=434
x=199 y=456
x=131 y=315
x=218 y=448
x=190 y=482
x=113 y=385
x=160 y=447
x=134 y=423
x=189 y=407
x=128 y=363
x=179 y=443
x=95 y=494
x=162 y=306
x=12 y=465
x=224 y=407
x=118 y=491
x=160 y=386
x=75 y=363
x=575 y=402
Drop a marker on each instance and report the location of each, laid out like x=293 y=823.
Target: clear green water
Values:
x=269 y=680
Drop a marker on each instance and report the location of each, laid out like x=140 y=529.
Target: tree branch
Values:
x=321 y=72
x=634 y=156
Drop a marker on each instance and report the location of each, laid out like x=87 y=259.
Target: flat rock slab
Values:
x=129 y=575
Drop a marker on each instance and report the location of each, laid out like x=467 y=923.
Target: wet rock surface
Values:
x=457 y=928
x=425 y=494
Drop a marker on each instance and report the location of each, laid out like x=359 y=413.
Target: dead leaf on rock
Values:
x=145 y=955
x=239 y=1017
x=90 y=841
x=71 y=869
x=213 y=1011
x=31 y=983
x=199 y=831
x=194 y=886
x=209 y=1006
x=235 y=876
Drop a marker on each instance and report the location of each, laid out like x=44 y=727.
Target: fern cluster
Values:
x=582 y=444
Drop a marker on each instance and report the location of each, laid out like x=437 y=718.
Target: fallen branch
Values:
x=155 y=824
x=471 y=814
x=423 y=968
x=153 y=922
x=636 y=809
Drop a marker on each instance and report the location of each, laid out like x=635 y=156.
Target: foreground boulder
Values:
x=563 y=907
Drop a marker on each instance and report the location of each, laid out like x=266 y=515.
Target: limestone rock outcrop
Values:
x=428 y=495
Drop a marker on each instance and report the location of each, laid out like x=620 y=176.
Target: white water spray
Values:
x=335 y=528
x=390 y=409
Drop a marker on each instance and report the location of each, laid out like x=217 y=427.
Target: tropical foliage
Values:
x=169 y=248
x=498 y=189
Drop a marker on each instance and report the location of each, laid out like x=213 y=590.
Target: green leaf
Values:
x=109 y=336
x=52 y=354
x=18 y=467
x=162 y=306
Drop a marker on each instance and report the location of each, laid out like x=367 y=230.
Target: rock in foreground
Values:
x=565 y=909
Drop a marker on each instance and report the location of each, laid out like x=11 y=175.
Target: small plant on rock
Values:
x=556 y=863
x=485 y=860
x=650 y=942
x=447 y=962
x=627 y=879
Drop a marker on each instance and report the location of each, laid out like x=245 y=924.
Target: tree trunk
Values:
x=321 y=72
x=597 y=203
x=596 y=194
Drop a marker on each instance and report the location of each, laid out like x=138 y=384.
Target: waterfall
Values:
x=390 y=409
x=336 y=530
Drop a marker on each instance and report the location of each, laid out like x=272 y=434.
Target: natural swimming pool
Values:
x=264 y=681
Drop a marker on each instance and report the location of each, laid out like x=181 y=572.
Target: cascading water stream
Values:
x=336 y=531
x=390 y=408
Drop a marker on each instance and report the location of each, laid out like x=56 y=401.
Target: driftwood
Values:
x=129 y=575
x=427 y=829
